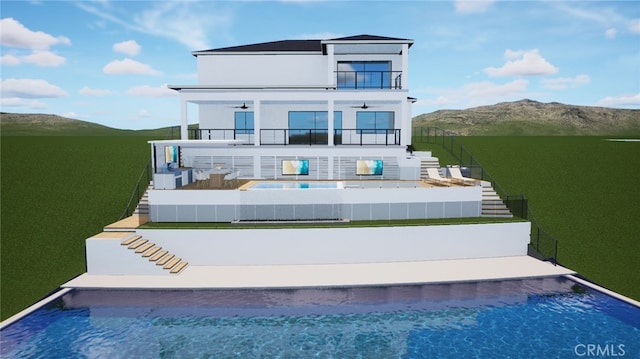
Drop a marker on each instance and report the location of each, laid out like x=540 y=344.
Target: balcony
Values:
x=359 y=80
x=308 y=137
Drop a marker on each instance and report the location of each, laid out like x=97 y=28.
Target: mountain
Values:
x=520 y=118
x=532 y=118
x=19 y=124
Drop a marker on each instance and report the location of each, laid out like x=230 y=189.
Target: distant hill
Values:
x=19 y=124
x=520 y=118
x=532 y=118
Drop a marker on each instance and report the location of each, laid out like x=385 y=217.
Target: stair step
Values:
x=165 y=259
x=138 y=243
x=172 y=263
x=158 y=255
x=143 y=248
x=127 y=242
x=179 y=267
x=151 y=252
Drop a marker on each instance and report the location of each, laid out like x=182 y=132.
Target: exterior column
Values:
x=256 y=122
x=405 y=66
x=405 y=132
x=330 y=120
x=184 y=124
x=331 y=67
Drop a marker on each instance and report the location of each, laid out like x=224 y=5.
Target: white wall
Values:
x=263 y=70
x=312 y=246
x=344 y=245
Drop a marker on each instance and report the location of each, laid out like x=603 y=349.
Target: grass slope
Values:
x=583 y=191
x=56 y=192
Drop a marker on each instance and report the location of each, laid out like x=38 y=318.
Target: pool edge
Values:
x=32 y=308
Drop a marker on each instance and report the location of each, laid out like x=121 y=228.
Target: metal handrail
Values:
x=524 y=209
x=136 y=195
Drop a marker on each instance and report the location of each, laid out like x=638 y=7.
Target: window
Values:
x=311 y=127
x=370 y=122
x=364 y=74
x=244 y=122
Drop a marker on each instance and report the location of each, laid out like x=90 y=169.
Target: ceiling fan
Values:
x=364 y=106
x=243 y=107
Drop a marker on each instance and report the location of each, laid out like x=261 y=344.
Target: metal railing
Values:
x=349 y=136
x=302 y=136
x=138 y=191
x=542 y=244
x=354 y=80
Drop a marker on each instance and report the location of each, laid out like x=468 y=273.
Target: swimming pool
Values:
x=296 y=185
x=537 y=318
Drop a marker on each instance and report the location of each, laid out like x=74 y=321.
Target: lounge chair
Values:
x=457 y=177
x=435 y=178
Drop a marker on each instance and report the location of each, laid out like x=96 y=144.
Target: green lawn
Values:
x=583 y=191
x=58 y=191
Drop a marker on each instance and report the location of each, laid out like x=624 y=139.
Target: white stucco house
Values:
x=301 y=131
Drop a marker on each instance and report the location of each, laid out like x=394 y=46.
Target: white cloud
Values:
x=14 y=34
x=44 y=58
x=9 y=60
x=129 y=67
x=620 y=101
x=472 y=6
x=634 y=26
x=561 y=83
x=148 y=91
x=522 y=63
x=20 y=102
x=93 y=92
x=30 y=88
x=129 y=47
x=611 y=33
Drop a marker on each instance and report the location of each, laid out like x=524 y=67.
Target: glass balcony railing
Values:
x=357 y=80
x=287 y=136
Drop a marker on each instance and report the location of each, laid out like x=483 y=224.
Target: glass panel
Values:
x=374 y=122
x=244 y=122
x=364 y=74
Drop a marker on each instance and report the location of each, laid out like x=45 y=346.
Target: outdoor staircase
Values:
x=492 y=204
x=428 y=163
x=156 y=254
x=143 y=206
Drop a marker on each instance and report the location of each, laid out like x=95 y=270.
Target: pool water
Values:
x=295 y=185
x=548 y=318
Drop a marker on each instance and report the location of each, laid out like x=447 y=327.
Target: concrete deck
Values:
x=330 y=275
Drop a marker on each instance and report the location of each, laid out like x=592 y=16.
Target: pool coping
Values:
x=32 y=308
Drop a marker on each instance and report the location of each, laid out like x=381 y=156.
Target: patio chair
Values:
x=232 y=177
x=202 y=178
x=457 y=177
x=435 y=178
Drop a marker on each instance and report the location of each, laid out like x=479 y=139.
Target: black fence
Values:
x=138 y=191
x=542 y=245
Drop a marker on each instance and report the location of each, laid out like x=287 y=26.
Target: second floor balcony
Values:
x=358 y=80
x=309 y=137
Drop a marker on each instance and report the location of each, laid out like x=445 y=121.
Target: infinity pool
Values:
x=542 y=318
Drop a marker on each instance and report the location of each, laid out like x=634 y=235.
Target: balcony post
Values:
x=256 y=122
x=330 y=120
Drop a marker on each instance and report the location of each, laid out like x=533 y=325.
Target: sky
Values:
x=109 y=62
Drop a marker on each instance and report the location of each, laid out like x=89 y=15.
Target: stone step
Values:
x=138 y=243
x=172 y=263
x=158 y=255
x=130 y=240
x=151 y=252
x=143 y=248
x=165 y=259
x=177 y=269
